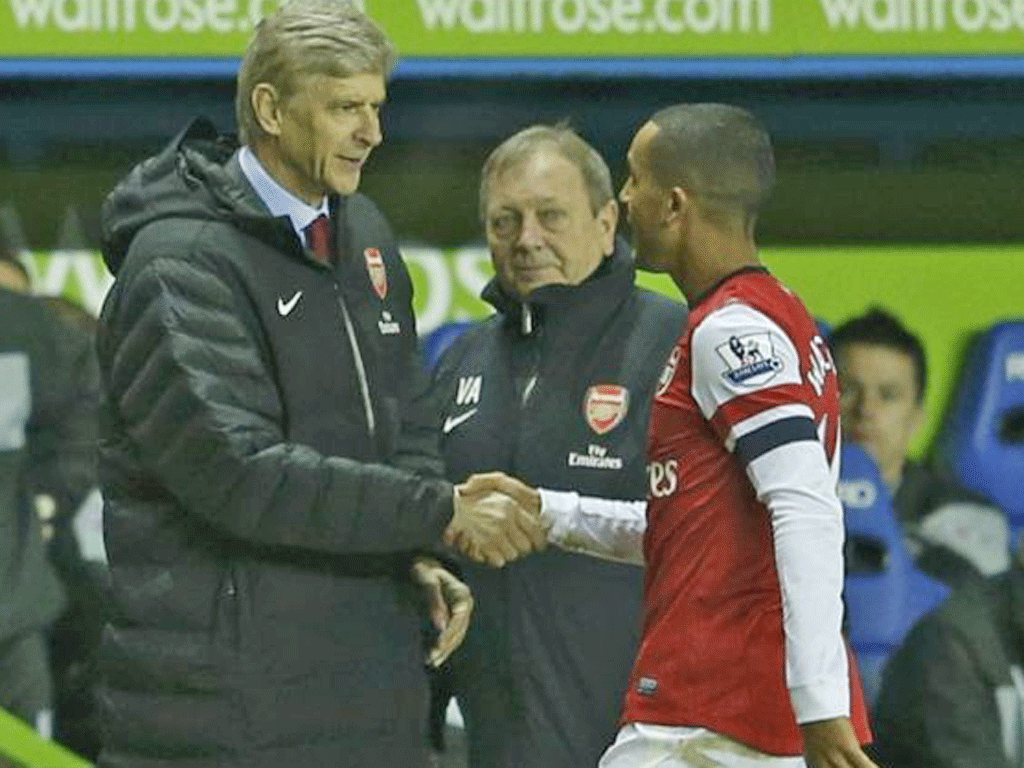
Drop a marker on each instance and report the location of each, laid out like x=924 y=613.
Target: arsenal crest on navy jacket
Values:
x=564 y=406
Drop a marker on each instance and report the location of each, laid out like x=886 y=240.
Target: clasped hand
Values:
x=492 y=527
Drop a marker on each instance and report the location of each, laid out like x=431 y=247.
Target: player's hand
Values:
x=528 y=498
x=491 y=527
x=833 y=744
x=532 y=525
x=450 y=603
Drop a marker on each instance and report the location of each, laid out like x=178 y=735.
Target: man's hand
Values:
x=490 y=526
x=450 y=603
x=528 y=498
x=833 y=744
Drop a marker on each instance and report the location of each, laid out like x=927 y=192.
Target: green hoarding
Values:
x=537 y=28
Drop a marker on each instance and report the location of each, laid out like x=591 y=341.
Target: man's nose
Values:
x=369 y=131
x=864 y=406
x=531 y=233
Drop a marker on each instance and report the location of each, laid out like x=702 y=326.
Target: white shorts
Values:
x=640 y=745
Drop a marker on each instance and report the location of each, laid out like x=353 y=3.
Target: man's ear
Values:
x=607 y=219
x=266 y=104
x=677 y=204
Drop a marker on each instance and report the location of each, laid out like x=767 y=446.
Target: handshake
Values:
x=497 y=519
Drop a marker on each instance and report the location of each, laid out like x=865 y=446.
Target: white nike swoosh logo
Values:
x=453 y=421
x=284 y=308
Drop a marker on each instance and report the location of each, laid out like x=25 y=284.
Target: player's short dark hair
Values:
x=882 y=328
x=720 y=153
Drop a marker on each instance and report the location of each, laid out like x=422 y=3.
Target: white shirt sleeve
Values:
x=796 y=484
x=609 y=529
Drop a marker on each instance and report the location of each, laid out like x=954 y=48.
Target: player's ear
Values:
x=677 y=203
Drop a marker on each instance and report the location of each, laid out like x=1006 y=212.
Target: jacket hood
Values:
x=194 y=177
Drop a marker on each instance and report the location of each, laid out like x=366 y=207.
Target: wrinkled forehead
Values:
x=544 y=175
x=359 y=87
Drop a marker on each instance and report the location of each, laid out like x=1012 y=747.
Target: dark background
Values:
x=881 y=160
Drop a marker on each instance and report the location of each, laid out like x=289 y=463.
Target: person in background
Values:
x=75 y=536
x=555 y=388
x=269 y=463
x=59 y=468
x=46 y=453
x=13 y=274
x=956 y=534
x=952 y=695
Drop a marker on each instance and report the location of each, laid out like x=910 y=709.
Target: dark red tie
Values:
x=318 y=237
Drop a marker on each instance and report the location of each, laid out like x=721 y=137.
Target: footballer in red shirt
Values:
x=742 y=658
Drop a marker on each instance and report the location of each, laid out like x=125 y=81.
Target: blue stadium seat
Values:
x=435 y=342
x=885 y=592
x=982 y=440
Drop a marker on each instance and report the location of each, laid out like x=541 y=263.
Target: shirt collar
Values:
x=279 y=201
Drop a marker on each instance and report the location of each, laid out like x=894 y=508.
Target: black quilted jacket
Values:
x=267 y=473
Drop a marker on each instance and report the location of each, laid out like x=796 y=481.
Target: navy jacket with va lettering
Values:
x=541 y=675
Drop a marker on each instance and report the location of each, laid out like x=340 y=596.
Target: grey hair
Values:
x=566 y=142
x=304 y=37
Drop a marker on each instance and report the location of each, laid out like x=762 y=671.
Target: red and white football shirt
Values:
x=744 y=529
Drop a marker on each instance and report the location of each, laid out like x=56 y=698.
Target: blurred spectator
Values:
x=51 y=341
x=953 y=694
x=13 y=274
x=38 y=440
x=77 y=551
x=955 y=533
